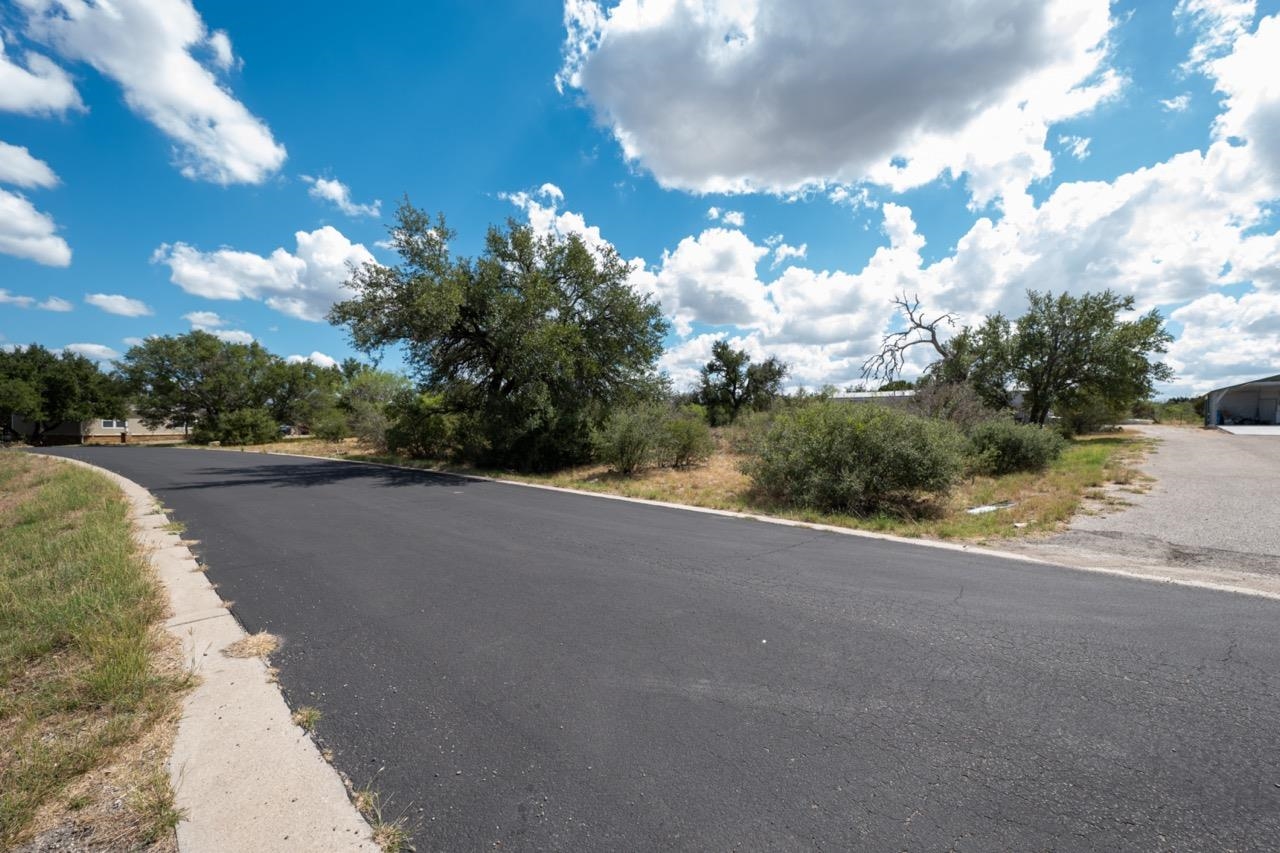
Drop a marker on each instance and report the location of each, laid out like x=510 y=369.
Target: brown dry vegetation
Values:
x=90 y=684
x=257 y=645
x=1043 y=501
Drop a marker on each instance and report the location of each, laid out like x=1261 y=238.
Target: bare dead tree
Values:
x=888 y=363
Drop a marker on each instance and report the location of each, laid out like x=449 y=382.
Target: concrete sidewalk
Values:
x=246 y=777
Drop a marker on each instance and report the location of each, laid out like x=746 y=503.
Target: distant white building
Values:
x=882 y=398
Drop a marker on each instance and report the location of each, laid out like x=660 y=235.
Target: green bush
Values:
x=1089 y=413
x=330 y=424
x=248 y=426
x=856 y=457
x=651 y=435
x=631 y=439
x=686 y=438
x=1003 y=447
x=419 y=427
x=1180 y=410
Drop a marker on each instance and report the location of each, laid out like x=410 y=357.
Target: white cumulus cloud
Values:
x=55 y=303
x=783 y=252
x=97 y=352
x=1217 y=24
x=303 y=284
x=204 y=320
x=232 y=336
x=149 y=47
x=339 y=194
x=1076 y=146
x=317 y=358
x=753 y=95
x=115 y=303
x=19 y=168
x=28 y=233
x=52 y=303
x=214 y=324
x=37 y=87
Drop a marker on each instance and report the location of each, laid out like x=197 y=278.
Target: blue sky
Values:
x=777 y=171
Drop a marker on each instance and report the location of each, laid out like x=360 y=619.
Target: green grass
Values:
x=79 y=616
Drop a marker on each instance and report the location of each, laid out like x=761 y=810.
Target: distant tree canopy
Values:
x=533 y=342
x=1074 y=353
x=48 y=389
x=731 y=383
x=1068 y=354
x=201 y=381
x=196 y=379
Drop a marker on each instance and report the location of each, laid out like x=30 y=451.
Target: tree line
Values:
x=521 y=356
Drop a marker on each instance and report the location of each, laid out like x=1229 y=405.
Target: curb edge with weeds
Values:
x=306 y=717
x=258 y=645
x=391 y=836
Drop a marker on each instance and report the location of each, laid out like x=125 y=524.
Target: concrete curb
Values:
x=248 y=779
x=1240 y=583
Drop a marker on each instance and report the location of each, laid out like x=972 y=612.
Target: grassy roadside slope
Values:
x=1093 y=471
x=90 y=684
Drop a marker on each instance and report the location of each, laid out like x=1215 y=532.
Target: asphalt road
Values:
x=530 y=670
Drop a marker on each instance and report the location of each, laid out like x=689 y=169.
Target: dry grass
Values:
x=390 y=834
x=1042 y=501
x=257 y=645
x=309 y=446
x=306 y=718
x=89 y=683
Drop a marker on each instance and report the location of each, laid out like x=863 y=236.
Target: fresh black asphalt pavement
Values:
x=524 y=669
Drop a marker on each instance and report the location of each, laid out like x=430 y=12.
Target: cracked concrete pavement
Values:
x=1211 y=517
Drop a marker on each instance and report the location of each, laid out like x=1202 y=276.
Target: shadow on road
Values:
x=283 y=475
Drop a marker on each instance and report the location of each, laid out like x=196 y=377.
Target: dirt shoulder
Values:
x=1210 y=515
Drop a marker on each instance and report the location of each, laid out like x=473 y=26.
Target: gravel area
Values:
x=1214 y=509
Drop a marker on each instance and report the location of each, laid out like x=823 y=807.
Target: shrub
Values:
x=630 y=439
x=365 y=400
x=1003 y=447
x=653 y=435
x=418 y=426
x=1180 y=410
x=856 y=457
x=686 y=438
x=1089 y=413
x=330 y=424
x=248 y=426
x=957 y=402
x=746 y=433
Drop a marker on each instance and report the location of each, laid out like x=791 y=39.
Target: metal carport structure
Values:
x=1253 y=402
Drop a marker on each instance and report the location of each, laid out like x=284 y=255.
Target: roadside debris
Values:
x=985 y=508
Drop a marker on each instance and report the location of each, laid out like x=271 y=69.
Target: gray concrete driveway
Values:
x=1214 y=509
